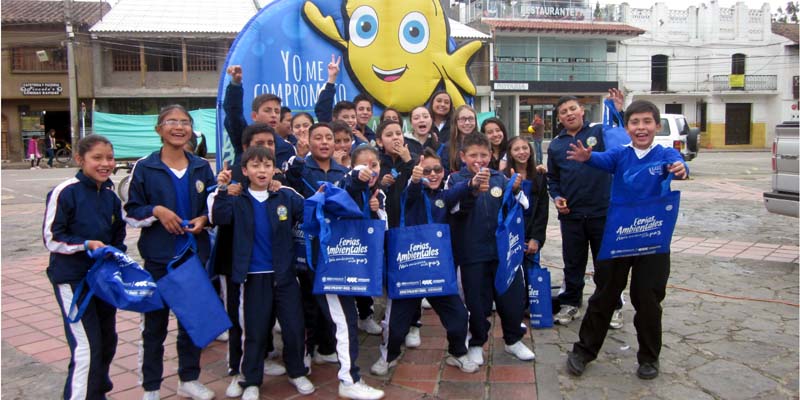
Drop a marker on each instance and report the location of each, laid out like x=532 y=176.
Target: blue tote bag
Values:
x=420 y=258
x=510 y=236
x=614 y=133
x=350 y=254
x=188 y=292
x=641 y=227
x=539 y=295
x=119 y=281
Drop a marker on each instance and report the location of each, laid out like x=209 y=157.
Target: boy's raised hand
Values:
x=374 y=203
x=360 y=135
x=235 y=71
x=333 y=68
x=302 y=147
x=416 y=173
x=338 y=156
x=403 y=152
x=224 y=176
x=275 y=185
x=481 y=180
x=579 y=153
x=678 y=169
x=618 y=97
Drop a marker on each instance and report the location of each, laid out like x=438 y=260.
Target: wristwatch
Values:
x=223 y=187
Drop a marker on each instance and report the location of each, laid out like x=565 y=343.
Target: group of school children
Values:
x=257 y=204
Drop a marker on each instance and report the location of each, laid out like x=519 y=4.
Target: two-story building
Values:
x=35 y=89
x=542 y=50
x=723 y=68
x=151 y=53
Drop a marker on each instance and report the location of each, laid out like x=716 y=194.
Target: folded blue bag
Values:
x=119 y=281
x=510 y=236
x=539 y=295
x=420 y=258
x=187 y=290
x=614 y=133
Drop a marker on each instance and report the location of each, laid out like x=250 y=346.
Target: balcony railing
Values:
x=751 y=82
x=525 y=71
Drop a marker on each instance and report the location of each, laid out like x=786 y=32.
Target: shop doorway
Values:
x=737 y=123
x=58 y=120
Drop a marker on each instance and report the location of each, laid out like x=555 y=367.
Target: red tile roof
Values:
x=562 y=26
x=789 y=31
x=51 y=12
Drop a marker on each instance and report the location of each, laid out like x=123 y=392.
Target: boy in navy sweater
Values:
x=650 y=272
x=473 y=223
x=402 y=313
x=262 y=230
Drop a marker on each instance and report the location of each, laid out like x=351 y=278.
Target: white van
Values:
x=676 y=133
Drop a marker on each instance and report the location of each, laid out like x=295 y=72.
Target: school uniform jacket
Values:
x=474 y=219
x=441 y=201
x=304 y=173
x=77 y=211
x=284 y=208
x=151 y=185
x=393 y=192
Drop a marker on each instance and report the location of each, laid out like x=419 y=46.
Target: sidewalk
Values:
x=31 y=326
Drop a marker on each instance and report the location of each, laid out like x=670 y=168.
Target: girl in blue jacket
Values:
x=83 y=213
x=167 y=188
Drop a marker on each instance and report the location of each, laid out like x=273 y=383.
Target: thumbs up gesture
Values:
x=517 y=182
x=416 y=173
x=374 y=203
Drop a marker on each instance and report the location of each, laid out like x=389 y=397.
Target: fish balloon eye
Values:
x=363 y=26
x=414 y=32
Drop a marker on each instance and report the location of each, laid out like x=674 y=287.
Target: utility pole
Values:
x=71 y=76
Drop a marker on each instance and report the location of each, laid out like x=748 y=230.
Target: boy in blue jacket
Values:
x=262 y=224
x=650 y=272
x=402 y=313
x=473 y=223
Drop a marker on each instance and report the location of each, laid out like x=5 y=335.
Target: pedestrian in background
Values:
x=538 y=137
x=33 y=152
x=50 y=147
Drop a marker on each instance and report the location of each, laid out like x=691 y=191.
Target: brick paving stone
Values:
x=750 y=256
x=41 y=345
x=511 y=374
x=425 y=387
x=19 y=312
x=779 y=259
x=767 y=245
x=39 y=316
x=49 y=323
x=16 y=331
x=512 y=391
x=724 y=254
x=716 y=241
x=451 y=373
x=125 y=381
x=401 y=393
x=416 y=372
x=423 y=356
x=433 y=343
x=695 y=250
x=789 y=247
x=52 y=355
x=25 y=339
x=461 y=390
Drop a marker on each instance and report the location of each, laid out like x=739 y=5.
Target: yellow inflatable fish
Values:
x=397 y=50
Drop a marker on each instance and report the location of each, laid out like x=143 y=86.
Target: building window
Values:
x=659 y=73
x=673 y=108
x=611 y=46
x=36 y=59
x=163 y=56
x=703 y=116
x=201 y=57
x=737 y=64
x=125 y=57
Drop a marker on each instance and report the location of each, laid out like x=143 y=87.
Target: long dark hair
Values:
x=499 y=123
x=530 y=168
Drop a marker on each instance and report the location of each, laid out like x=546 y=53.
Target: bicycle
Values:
x=63 y=153
x=122 y=187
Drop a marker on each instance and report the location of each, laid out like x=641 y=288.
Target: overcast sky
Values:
x=683 y=4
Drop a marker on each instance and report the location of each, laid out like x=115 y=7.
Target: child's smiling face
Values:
x=367 y=159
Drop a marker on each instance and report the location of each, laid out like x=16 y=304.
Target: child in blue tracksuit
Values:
x=473 y=223
x=401 y=313
x=83 y=213
x=639 y=170
x=340 y=310
x=304 y=174
x=167 y=188
x=262 y=222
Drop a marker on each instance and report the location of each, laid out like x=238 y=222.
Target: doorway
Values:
x=737 y=123
x=58 y=120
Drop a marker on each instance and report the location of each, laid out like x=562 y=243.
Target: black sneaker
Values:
x=647 y=370
x=575 y=363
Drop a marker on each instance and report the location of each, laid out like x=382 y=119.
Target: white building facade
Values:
x=723 y=68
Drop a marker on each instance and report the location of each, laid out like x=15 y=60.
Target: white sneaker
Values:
x=320 y=358
x=251 y=393
x=412 y=338
x=520 y=351
x=566 y=315
x=223 y=337
x=381 y=367
x=303 y=385
x=234 y=389
x=616 y=320
x=277 y=327
x=475 y=353
x=370 y=326
x=151 y=395
x=425 y=304
x=272 y=368
x=194 y=390
x=464 y=363
x=359 y=391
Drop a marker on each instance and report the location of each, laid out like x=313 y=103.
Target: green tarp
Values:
x=134 y=136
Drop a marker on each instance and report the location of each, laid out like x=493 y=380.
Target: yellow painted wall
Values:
x=714 y=138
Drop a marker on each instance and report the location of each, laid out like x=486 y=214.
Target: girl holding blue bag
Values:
x=427 y=181
x=84 y=214
x=167 y=188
